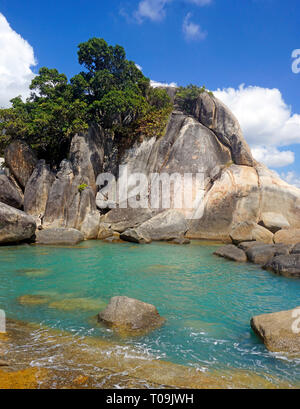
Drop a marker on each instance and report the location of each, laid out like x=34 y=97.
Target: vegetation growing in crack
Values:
x=186 y=97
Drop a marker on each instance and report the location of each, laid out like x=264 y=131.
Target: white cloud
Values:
x=291 y=177
x=272 y=157
x=192 y=31
x=156 y=84
x=16 y=60
x=200 y=2
x=264 y=116
x=139 y=67
x=154 y=10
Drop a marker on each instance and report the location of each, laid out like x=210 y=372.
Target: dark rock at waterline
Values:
x=245 y=245
x=288 y=265
x=263 y=253
x=279 y=331
x=180 y=241
x=10 y=194
x=133 y=236
x=231 y=252
x=37 y=190
x=129 y=314
x=21 y=161
x=15 y=225
x=59 y=236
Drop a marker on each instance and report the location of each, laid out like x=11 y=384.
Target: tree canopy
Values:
x=110 y=90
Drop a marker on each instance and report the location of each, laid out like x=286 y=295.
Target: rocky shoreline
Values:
x=90 y=363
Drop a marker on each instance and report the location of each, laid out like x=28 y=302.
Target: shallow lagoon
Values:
x=207 y=301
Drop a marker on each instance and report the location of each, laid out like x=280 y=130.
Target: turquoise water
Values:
x=207 y=301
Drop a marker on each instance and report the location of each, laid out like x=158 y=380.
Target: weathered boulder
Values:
x=15 y=225
x=167 y=225
x=21 y=161
x=279 y=331
x=261 y=254
x=133 y=236
x=212 y=113
x=231 y=252
x=250 y=231
x=9 y=192
x=127 y=314
x=59 y=236
x=86 y=155
x=122 y=219
x=37 y=190
x=274 y=221
x=289 y=236
x=287 y=266
x=296 y=249
x=245 y=245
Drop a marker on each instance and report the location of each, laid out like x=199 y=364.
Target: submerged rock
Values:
x=130 y=315
x=59 y=236
x=33 y=299
x=250 y=231
x=9 y=192
x=15 y=225
x=77 y=304
x=274 y=221
x=21 y=161
x=231 y=252
x=279 y=331
x=287 y=266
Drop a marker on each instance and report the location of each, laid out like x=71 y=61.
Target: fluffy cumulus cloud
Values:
x=266 y=120
x=191 y=30
x=155 y=10
x=16 y=62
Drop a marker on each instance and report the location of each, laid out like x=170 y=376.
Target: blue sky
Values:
x=219 y=43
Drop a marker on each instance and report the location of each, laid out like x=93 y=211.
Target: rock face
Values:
x=9 y=192
x=288 y=266
x=250 y=231
x=21 y=161
x=231 y=252
x=37 y=190
x=165 y=226
x=128 y=314
x=15 y=225
x=274 y=221
x=59 y=236
x=290 y=236
x=279 y=331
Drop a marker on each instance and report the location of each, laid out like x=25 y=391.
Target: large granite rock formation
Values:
x=15 y=225
x=234 y=188
x=21 y=161
x=226 y=192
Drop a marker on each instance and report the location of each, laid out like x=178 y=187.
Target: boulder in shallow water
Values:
x=128 y=314
x=10 y=194
x=231 y=252
x=287 y=236
x=15 y=225
x=287 y=266
x=250 y=231
x=133 y=236
x=279 y=331
x=21 y=161
x=59 y=236
x=261 y=253
x=274 y=221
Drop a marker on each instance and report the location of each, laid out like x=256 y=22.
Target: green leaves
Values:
x=111 y=91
